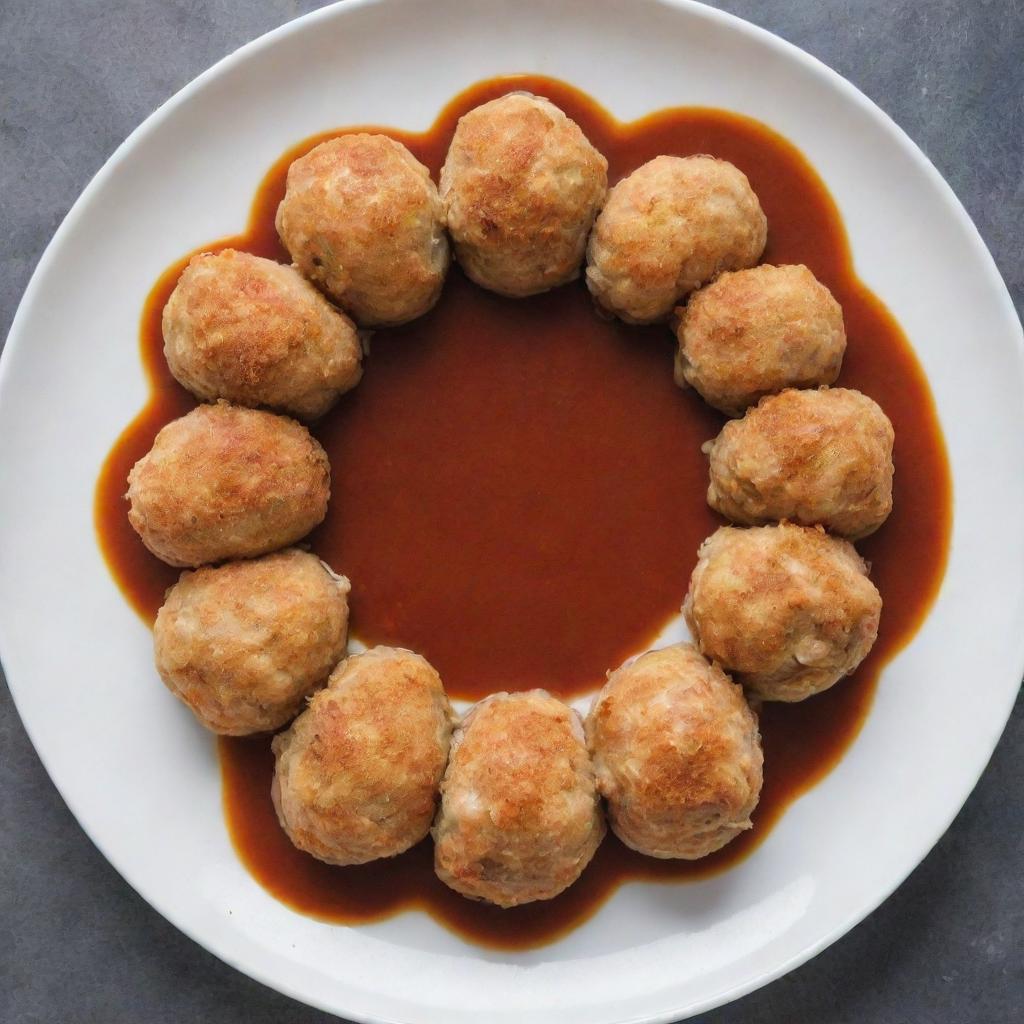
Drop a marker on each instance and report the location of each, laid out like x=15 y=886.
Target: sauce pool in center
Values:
x=529 y=490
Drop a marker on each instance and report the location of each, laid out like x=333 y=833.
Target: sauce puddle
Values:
x=518 y=494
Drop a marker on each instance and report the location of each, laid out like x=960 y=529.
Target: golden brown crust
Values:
x=357 y=773
x=666 y=229
x=677 y=754
x=244 y=644
x=521 y=186
x=787 y=610
x=362 y=219
x=258 y=333
x=811 y=457
x=755 y=332
x=520 y=817
x=227 y=482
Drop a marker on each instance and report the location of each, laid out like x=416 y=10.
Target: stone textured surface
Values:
x=76 y=944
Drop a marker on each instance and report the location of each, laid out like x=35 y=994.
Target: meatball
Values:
x=668 y=228
x=813 y=457
x=787 y=610
x=357 y=773
x=244 y=644
x=258 y=333
x=227 y=482
x=521 y=187
x=755 y=332
x=362 y=219
x=677 y=754
x=520 y=816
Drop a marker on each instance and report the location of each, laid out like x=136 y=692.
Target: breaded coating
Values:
x=521 y=187
x=668 y=228
x=677 y=754
x=362 y=219
x=811 y=457
x=520 y=817
x=357 y=774
x=244 y=644
x=786 y=610
x=258 y=333
x=227 y=482
x=755 y=332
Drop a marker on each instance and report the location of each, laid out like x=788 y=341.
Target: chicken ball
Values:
x=755 y=332
x=666 y=229
x=357 y=773
x=244 y=644
x=677 y=754
x=258 y=333
x=520 y=816
x=812 y=457
x=362 y=220
x=227 y=482
x=786 y=610
x=521 y=187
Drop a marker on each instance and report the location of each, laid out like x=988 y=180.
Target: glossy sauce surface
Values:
x=518 y=494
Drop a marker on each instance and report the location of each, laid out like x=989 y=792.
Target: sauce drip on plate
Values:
x=518 y=494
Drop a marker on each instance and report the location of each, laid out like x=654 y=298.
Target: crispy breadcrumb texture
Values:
x=755 y=332
x=357 y=774
x=257 y=333
x=520 y=817
x=245 y=643
x=521 y=186
x=677 y=754
x=787 y=610
x=227 y=482
x=671 y=226
x=362 y=219
x=811 y=457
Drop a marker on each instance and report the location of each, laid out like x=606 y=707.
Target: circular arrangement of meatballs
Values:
x=370 y=756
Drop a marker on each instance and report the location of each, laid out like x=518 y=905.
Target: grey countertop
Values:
x=76 y=943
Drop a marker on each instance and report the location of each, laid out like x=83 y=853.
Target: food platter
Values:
x=131 y=770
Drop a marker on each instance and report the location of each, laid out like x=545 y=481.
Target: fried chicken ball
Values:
x=668 y=228
x=521 y=187
x=812 y=457
x=357 y=773
x=755 y=332
x=786 y=610
x=244 y=644
x=227 y=482
x=258 y=333
x=362 y=219
x=520 y=817
x=677 y=754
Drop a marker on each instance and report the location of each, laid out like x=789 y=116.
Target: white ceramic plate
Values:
x=143 y=781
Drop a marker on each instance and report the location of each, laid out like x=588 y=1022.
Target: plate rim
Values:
x=16 y=339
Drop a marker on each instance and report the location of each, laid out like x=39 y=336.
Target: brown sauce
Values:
x=518 y=493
